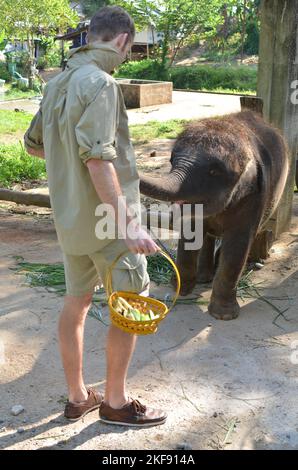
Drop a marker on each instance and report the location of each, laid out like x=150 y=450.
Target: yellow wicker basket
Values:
x=158 y=308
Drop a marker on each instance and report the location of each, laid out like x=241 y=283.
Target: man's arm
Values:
x=33 y=139
x=106 y=183
x=36 y=152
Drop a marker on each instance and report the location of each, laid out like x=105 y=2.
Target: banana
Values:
x=132 y=313
x=125 y=304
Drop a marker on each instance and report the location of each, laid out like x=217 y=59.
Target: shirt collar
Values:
x=105 y=55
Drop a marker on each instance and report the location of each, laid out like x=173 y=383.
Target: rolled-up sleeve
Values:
x=96 y=129
x=33 y=137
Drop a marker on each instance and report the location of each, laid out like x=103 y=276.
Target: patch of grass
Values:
x=16 y=165
x=52 y=276
x=14 y=93
x=12 y=121
x=143 y=133
x=231 y=91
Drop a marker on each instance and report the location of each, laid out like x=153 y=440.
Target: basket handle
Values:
x=109 y=275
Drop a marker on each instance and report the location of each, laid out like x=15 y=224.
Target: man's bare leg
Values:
x=71 y=333
x=120 y=347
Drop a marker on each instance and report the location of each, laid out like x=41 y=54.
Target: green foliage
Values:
x=91 y=6
x=22 y=61
x=146 y=69
x=52 y=58
x=206 y=77
x=239 y=24
x=178 y=20
x=16 y=165
x=4 y=73
x=251 y=45
x=198 y=77
x=22 y=19
x=50 y=53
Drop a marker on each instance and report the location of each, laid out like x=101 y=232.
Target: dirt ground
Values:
x=225 y=385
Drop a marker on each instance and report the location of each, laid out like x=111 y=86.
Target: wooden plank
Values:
x=253 y=103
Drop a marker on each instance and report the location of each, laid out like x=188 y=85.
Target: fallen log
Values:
x=22 y=197
x=149 y=218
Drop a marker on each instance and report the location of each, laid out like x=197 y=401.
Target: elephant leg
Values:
x=234 y=252
x=187 y=261
x=206 y=268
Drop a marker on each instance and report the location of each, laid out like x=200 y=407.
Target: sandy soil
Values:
x=225 y=385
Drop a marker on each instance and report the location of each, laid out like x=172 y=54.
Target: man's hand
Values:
x=139 y=242
x=35 y=153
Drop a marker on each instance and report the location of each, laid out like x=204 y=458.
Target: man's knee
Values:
x=78 y=302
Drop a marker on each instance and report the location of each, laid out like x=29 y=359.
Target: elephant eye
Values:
x=213 y=172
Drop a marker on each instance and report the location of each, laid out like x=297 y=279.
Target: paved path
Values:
x=186 y=105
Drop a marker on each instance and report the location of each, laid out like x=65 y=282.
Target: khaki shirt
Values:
x=82 y=116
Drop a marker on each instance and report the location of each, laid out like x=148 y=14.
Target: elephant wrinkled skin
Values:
x=236 y=166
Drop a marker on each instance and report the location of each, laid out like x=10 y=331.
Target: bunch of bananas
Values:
x=134 y=311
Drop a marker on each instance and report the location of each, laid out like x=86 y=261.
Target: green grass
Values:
x=143 y=133
x=231 y=91
x=52 y=275
x=17 y=166
x=12 y=121
x=13 y=93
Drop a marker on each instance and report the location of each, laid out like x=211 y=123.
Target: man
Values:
x=82 y=130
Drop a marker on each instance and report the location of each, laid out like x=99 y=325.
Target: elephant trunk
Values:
x=168 y=188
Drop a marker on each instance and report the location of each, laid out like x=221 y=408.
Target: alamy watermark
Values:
x=2 y=352
x=294 y=94
x=182 y=220
x=294 y=354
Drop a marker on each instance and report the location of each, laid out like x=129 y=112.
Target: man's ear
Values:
x=122 y=40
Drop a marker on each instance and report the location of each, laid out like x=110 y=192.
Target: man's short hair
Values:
x=110 y=21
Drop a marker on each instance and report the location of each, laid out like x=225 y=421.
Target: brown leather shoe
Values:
x=132 y=414
x=75 y=411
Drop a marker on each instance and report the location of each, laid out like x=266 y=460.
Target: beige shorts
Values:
x=83 y=273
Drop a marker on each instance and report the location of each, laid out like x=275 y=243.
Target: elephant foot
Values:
x=224 y=312
x=186 y=286
x=205 y=277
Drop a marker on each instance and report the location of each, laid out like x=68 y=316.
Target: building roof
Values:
x=83 y=28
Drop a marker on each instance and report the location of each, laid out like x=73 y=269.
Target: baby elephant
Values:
x=236 y=166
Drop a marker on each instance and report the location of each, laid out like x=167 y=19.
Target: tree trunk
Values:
x=243 y=30
x=31 y=61
x=179 y=45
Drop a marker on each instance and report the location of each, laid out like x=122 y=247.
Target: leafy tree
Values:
x=89 y=7
x=246 y=13
x=178 y=20
x=25 y=19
